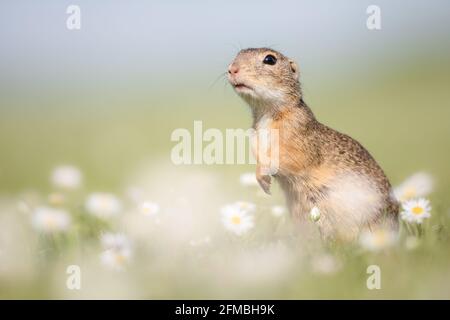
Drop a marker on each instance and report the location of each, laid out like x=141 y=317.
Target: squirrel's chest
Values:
x=282 y=148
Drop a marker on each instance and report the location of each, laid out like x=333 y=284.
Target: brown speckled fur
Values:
x=313 y=158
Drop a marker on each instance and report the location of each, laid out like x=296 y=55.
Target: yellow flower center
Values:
x=417 y=210
x=120 y=259
x=236 y=220
x=104 y=204
x=146 y=210
x=50 y=222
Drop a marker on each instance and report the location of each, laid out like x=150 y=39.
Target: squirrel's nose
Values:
x=233 y=69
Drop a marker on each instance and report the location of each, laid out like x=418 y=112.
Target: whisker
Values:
x=221 y=76
x=225 y=83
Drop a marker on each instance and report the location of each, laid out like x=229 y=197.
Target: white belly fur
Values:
x=352 y=200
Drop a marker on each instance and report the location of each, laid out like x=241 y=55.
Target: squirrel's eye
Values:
x=270 y=59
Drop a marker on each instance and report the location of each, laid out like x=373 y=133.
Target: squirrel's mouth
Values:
x=241 y=87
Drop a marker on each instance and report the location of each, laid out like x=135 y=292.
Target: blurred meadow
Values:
x=86 y=176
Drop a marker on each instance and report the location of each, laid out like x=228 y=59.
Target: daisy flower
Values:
x=236 y=220
x=114 y=241
x=314 y=214
x=416 y=210
x=66 y=177
x=50 y=220
x=115 y=259
x=248 y=179
x=418 y=185
x=117 y=251
x=278 y=211
x=103 y=205
x=378 y=239
x=149 y=208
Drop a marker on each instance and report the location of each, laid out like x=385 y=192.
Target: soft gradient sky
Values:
x=155 y=40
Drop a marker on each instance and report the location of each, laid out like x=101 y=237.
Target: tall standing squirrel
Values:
x=318 y=167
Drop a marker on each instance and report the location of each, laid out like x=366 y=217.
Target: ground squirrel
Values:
x=318 y=166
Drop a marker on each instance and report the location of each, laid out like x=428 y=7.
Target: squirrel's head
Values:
x=264 y=76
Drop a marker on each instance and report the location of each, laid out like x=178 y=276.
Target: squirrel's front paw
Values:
x=264 y=181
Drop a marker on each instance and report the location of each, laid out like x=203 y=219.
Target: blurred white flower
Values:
x=236 y=219
x=149 y=208
x=116 y=259
x=278 y=211
x=103 y=205
x=417 y=185
x=114 y=241
x=314 y=214
x=378 y=239
x=248 y=179
x=416 y=210
x=67 y=177
x=325 y=264
x=246 y=206
x=50 y=220
x=117 y=250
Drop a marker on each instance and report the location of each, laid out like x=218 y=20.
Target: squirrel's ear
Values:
x=294 y=68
